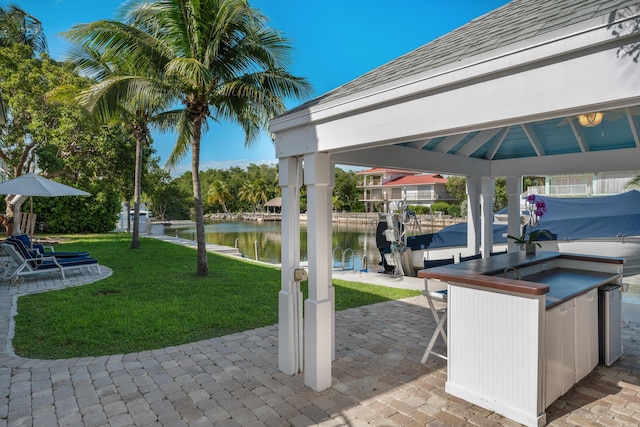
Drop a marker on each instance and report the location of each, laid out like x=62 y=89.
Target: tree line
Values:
x=238 y=190
x=247 y=190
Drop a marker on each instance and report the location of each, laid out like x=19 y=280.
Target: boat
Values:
x=125 y=217
x=597 y=225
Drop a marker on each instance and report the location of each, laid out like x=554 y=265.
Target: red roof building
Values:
x=384 y=187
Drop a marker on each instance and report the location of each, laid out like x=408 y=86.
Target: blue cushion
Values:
x=23 y=243
x=64 y=262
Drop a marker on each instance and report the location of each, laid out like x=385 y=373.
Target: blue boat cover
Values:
x=566 y=219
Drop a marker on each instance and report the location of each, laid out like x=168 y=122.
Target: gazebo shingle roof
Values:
x=514 y=22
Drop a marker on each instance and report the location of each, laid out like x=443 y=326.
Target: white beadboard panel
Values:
x=495 y=349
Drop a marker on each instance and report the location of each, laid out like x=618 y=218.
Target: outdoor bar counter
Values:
x=517 y=343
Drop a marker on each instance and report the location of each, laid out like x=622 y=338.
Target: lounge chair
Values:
x=20 y=263
x=42 y=250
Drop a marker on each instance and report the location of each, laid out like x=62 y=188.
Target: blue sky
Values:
x=334 y=42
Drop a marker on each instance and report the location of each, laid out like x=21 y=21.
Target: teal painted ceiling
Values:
x=550 y=137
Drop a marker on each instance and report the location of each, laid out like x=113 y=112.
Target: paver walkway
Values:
x=234 y=381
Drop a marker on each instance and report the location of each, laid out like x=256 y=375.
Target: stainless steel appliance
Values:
x=610 y=323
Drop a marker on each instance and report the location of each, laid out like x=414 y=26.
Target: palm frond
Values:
x=184 y=130
x=168 y=120
x=190 y=72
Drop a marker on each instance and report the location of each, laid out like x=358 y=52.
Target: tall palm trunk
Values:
x=203 y=265
x=140 y=137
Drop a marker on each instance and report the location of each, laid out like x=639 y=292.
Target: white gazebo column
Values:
x=474 y=184
x=290 y=298
x=319 y=177
x=514 y=190
x=486 y=201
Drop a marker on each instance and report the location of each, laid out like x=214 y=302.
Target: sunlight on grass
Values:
x=154 y=299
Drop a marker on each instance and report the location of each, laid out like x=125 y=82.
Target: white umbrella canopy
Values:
x=31 y=184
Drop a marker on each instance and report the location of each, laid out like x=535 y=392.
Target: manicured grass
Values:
x=154 y=299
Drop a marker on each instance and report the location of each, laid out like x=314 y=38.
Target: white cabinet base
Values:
x=498 y=340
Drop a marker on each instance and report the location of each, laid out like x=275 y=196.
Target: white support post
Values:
x=319 y=308
x=290 y=333
x=473 y=213
x=514 y=191
x=486 y=200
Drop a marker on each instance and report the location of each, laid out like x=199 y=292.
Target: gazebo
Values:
x=536 y=87
x=275 y=203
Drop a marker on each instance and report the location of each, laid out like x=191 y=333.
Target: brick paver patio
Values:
x=234 y=381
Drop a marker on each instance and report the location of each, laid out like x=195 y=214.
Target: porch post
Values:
x=514 y=190
x=290 y=298
x=488 y=190
x=473 y=213
x=319 y=307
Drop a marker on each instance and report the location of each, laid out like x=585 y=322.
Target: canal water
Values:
x=353 y=240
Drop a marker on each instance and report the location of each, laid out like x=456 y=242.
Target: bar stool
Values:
x=440 y=316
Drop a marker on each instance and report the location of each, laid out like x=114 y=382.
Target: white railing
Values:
x=560 y=190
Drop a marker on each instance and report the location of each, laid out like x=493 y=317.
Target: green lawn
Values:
x=154 y=299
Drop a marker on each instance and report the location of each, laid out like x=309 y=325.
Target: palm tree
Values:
x=221 y=61
x=219 y=193
x=246 y=194
x=19 y=27
x=119 y=92
x=260 y=189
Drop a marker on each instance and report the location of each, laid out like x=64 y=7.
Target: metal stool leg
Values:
x=439 y=330
x=440 y=319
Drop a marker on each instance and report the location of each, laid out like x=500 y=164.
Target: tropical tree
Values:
x=167 y=199
x=219 y=193
x=246 y=193
x=19 y=27
x=346 y=192
x=41 y=127
x=117 y=93
x=220 y=60
x=261 y=192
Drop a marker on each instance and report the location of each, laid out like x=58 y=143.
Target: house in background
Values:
x=390 y=186
x=583 y=185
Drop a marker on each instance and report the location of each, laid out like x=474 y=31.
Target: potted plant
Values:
x=529 y=239
x=537 y=208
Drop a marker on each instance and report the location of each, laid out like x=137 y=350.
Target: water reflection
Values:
x=359 y=238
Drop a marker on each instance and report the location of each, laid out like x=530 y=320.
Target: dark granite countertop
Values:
x=566 y=283
x=557 y=284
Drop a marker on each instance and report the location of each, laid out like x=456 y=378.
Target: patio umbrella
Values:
x=31 y=184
